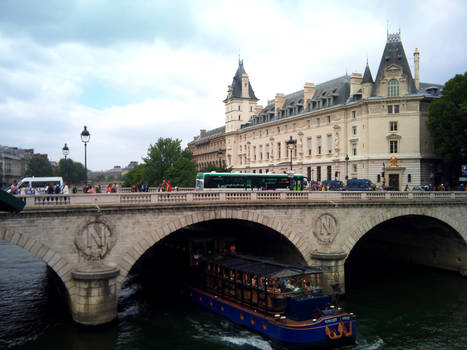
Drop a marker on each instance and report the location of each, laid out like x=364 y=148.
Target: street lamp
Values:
x=85 y=136
x=65 y=150
x=291 y=145
x=346 y=166
x=384 y=168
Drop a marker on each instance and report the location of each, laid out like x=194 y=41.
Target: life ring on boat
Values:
x=332 y=334
x=346 y=332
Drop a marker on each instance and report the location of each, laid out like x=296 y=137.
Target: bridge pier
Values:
x=332 y=279
x=94 y=301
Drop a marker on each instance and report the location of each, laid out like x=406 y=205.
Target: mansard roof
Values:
x=237 y=83
x=367 y=77
x=394 y=54
x=198 y=140
x=336 y=90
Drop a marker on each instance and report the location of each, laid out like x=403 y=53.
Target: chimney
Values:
x=202 y=132
x=416 y=59
x=278 y=102
x=308 y=92
x=355 y=83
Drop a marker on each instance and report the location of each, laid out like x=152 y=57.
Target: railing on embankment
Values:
x=222 y=196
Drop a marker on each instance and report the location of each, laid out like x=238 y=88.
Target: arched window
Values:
x=393 y=88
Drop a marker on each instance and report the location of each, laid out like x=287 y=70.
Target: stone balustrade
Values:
x=222 y=196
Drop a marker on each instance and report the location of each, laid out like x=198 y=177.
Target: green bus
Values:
x=227 y=181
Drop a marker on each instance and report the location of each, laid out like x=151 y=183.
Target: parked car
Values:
x=359 y=185
x=334 y=185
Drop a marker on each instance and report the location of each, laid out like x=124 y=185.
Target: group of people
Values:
x=111 y=188
x=51 y=188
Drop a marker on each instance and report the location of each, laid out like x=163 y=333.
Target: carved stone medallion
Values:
x=326 y=228
x=95 y=239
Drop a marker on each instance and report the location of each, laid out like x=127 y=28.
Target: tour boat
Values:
x=281 y=301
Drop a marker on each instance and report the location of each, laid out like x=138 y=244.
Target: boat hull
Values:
x=326 y=332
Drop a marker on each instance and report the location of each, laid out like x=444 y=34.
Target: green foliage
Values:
x=182 y=173
x=39 y=166
x=165 y=161
x=447 y=123
x=72 y=172
x=134 y=176
x=161 y=156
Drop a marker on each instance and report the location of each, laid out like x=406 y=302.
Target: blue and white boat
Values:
x=281 y=301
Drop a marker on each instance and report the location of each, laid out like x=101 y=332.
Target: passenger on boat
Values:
x=253 y=281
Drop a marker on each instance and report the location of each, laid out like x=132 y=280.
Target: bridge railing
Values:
x=220 y=196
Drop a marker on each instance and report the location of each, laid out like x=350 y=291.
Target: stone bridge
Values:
x=93 y=241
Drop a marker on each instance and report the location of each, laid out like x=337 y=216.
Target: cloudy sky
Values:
x=137 y=70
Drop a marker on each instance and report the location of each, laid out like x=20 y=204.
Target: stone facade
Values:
x=348 y=127
x=209 y=148
x=13 y=163
x=93 y=247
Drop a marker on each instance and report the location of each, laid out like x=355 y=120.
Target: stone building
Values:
x=13 y=163
x=351 y=126
x=209 y=148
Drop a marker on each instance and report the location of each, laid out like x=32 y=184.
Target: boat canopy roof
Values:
x=261 y=266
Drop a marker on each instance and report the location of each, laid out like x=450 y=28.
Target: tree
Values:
x=39 y=166
x=134 y=176
x=182 y=173
x=217 y=169
x=161 y=156
x=72 y=172
x=447 y=124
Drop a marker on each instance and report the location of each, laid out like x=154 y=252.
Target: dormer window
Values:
x=393 y=88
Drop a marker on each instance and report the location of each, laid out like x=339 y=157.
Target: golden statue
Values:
x=393 y=162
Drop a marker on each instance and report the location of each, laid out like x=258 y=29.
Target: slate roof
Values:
x=337 y=90
x=394 y=54
x=199 y=140
x=367 y=77
x=237 y=83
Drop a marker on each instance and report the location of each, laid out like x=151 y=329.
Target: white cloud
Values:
x=132 y=80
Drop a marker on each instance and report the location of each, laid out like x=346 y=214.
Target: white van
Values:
x=38 y=184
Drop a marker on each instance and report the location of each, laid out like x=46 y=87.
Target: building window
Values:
x=409 y=178
x=328 y=172
x=318 y=143
x=354 y=130
x=329 y=143
x=278 y=129
x=393 y=88
x=318 y=173
x=378 y=178
x=355 y=168
x=286 y=128
x=393 y=146
x=309 y=146
x=392 y=126
x=261 y=152
x=251 y=108
x=329 y=119
x=318 y=120
x=278 y=150
x=260 y=171
x=396 y=109
x=294 y=126
x=238 y=107
x=389 y=109
x=308 y=173
x=254 y=152
x=354 y=114
x=354 y=149
x=308 y=122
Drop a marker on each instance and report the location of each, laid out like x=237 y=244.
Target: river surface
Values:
x=410 y=308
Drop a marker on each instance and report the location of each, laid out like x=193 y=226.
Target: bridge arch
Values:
x=43 y=252
x=368 y=224
x=145 y=241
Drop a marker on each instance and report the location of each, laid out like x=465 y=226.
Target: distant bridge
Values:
x=92 y=240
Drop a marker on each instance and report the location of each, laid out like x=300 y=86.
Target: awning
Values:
x=10 y=203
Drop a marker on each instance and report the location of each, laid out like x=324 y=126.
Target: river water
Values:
x=401 y=307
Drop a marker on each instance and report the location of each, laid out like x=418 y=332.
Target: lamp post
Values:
x=85 y=136
x=382 y=173
x=346 y=166
x=65 y=150
x=291 y=143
